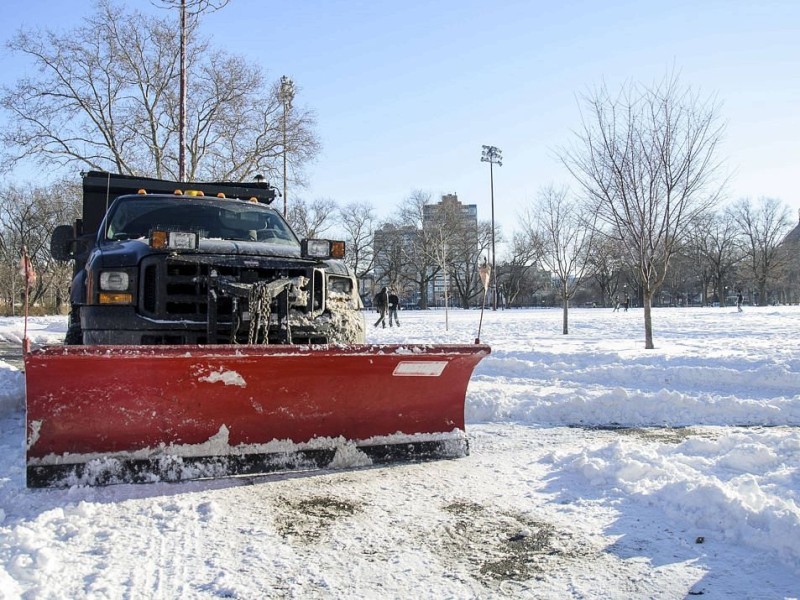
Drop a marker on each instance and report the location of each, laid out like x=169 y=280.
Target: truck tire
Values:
x=74 y=335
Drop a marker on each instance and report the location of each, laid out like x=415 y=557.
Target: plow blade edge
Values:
x=112 y=414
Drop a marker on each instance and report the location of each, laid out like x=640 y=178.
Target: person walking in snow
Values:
x=393 y=302
x=627 y=302
x=739 y=301
x=381 y=302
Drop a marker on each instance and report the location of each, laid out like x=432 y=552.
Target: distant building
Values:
x=791 y=244
x=450 y=203
x=448 y=210
x=392 y=243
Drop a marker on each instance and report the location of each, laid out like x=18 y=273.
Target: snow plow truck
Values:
x=206 y=340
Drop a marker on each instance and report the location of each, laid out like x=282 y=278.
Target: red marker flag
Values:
x=485 y=271
x=26 y=269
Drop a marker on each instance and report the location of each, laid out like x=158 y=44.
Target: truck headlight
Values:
x=114 y=281
x=340 y=284
x=322 y=249
x=317 y=248
x=173 y=240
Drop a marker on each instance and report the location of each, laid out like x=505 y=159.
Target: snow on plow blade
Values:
x=112 y=414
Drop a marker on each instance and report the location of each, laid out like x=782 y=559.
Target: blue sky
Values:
x=406 y=93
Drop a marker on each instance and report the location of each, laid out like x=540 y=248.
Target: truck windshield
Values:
x=134 y=217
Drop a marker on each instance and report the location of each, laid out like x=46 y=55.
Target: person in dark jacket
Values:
x=393 y=302
x=381 y=302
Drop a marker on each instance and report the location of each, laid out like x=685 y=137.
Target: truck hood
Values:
x=125 y=252
x=217 y=246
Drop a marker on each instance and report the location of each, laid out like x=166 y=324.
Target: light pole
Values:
x=494 y=156
x=286 y=96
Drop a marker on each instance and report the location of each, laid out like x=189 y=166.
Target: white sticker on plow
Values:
x=419 y=368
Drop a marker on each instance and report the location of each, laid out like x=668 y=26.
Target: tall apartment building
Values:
x=462 y=218
x=469 y=212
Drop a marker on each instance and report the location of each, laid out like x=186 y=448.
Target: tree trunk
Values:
x=423 y=296
x=566 y=315
x=647 y=297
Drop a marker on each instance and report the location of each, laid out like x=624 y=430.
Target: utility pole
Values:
x=182 y=109
x=196 y=7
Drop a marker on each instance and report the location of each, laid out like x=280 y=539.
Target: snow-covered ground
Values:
x=597 y=470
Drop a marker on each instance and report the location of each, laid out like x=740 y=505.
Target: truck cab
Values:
x=163 y=263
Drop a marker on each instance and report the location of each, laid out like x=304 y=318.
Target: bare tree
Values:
x=392 y=242
x=438 y=235
x=187 y=10
x=312 y=219
x=763 y=227
x=606 y=266
x=28 y=215
x=420 y=264
x=715 y=238
x=686 y=278
x=467 y=245
x=647 y=159
x=105 y=95
x=566 y=229
x=358 y=221
x=514 y=276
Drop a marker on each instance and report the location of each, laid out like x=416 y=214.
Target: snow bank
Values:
x=726 y=469
x=12 y=390
x=743 y=487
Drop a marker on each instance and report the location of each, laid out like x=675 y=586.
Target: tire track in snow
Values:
x=176 y=534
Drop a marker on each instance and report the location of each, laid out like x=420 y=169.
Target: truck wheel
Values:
x=74 y=335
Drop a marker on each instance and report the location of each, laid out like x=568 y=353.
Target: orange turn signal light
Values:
x=337 y=249
x=158 y=240
x=115 y=298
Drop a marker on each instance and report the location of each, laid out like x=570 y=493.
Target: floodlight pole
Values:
x=286 y=96
x=494 y=156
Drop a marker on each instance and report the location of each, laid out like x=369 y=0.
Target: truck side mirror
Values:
x=62 y=243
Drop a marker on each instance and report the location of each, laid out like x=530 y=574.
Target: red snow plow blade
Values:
x=113 y=414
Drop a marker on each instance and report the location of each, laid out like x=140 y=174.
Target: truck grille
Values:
x=177 y=289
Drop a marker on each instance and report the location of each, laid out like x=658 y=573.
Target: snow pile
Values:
x=41 y=330
x=12 y=390
x=743 y=487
